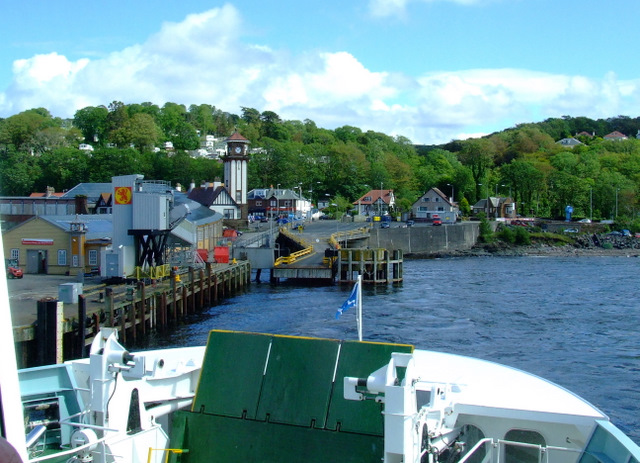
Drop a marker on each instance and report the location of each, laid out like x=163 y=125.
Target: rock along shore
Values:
x=583 y=246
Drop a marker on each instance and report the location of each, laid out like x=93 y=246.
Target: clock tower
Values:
x=235 y=160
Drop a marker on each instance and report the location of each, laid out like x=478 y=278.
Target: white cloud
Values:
x=203 y=60
x=385 y=8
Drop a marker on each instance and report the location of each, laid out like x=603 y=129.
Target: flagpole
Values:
x=359 y=311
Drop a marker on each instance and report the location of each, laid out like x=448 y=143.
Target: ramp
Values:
x=273 y=398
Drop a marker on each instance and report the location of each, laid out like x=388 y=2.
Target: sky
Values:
x=428 y=70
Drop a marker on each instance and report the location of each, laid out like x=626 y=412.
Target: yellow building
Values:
x=59 y=245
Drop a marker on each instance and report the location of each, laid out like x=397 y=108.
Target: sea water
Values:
x=574 y=321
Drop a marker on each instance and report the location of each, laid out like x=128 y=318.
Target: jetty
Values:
x=56 y=335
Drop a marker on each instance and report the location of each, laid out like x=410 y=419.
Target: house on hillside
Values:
x=615 y=136
x=375 y=202
x=496 y=207
x=274 y=202
x=434 y=202
x=569 y=142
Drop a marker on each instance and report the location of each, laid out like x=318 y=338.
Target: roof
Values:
x=46 y=195
x=91 y=190
x=207 y=196
x=235 y=136
x=375 y=195
x=199 y=214
x=98 y=226
x=279 y=193
x=615 y=134
x=571 y=142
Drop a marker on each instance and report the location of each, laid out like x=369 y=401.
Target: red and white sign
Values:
x=37 y=241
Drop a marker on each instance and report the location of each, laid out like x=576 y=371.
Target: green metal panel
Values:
x=295 y=412
x=359 y=359
x=231 y=375
x=211 y=438
x=298 y=382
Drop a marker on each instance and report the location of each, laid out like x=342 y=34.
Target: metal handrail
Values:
x=497 y=443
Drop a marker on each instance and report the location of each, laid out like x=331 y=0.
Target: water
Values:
x=574 y=321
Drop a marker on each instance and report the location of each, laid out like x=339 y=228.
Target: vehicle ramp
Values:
x=273 y=398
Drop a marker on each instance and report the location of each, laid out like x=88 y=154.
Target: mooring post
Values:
x=143 y=307
x=108 y=300
x=174 y=294
x=82 y=325
x=49 y=331
x=201 y=295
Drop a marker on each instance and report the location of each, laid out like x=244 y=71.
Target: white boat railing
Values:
x=496 y=446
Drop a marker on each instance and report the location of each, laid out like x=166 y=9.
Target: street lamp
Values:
x=617 y=189
x=277 y=200
x=453 y=196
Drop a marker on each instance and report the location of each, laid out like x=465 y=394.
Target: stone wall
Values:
x=426 y=239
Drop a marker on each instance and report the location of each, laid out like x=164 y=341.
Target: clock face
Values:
x=238 y=149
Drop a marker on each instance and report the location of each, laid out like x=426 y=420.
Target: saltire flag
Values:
x=350 y=302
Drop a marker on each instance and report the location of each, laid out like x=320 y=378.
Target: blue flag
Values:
x=350 y=302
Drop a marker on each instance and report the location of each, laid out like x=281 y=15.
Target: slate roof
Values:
x=207 y=196
x=99 y=226
x=91 y=190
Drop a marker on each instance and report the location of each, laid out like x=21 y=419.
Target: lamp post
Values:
x=591 y=204
x=453 y=196
x=277 y=201
x=617 y=189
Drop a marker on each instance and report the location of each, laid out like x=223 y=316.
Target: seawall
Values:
x=426 y=239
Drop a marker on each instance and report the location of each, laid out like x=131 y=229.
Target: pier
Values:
x=136 y=310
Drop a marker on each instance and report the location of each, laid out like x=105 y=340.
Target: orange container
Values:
x=221 y=254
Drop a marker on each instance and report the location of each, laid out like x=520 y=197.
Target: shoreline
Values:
x=534 y=250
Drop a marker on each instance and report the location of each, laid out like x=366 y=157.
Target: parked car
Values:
x=436 y=220
x=384 y=225
x=13 y=271
x=410 y=223
x=584 y=220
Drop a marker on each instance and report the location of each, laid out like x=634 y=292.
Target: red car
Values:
x=436 y=220
x=13 y=271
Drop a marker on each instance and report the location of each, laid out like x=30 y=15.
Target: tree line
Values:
x=599 y=178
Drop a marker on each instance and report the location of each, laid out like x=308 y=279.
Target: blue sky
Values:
x=429 y=70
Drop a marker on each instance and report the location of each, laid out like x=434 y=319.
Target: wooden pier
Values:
x=377 y=266
x=136 y=310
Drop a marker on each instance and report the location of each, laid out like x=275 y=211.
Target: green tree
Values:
x=478 y=156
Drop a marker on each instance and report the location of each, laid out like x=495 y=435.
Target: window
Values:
x=62 y=257
x=523 y=454
x=367 y=198
x=75 y=259
x=258 y=203
x=426 y=200
x=93 y=257
x=15 y=254
x=423 y=209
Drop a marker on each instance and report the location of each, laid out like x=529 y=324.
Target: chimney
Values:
x=81 y=204
x=178 y=187
x=192 y=185
x=50 y=191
